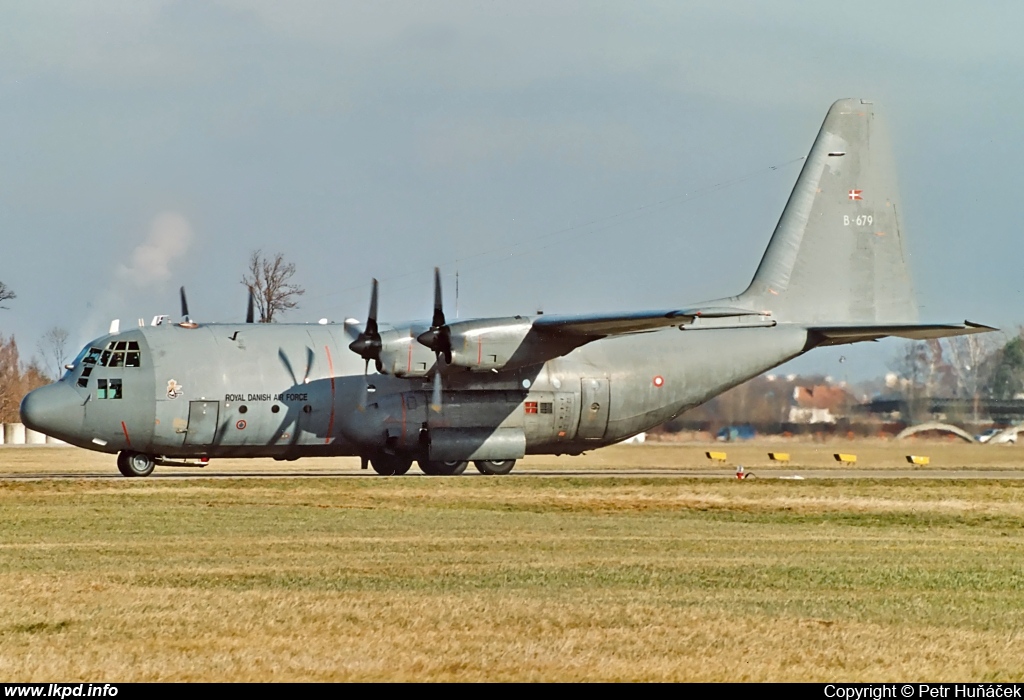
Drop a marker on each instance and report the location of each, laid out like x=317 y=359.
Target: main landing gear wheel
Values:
x=494 y=467
x=134 y=464
x=435 y=468
x=390 y=465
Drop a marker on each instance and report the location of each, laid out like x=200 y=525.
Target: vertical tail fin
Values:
x=837 y=254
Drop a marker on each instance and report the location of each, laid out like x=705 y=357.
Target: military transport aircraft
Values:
x=493 y=390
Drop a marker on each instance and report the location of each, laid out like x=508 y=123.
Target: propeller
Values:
x=438 y=339
x=186 y=322
x=368 y=344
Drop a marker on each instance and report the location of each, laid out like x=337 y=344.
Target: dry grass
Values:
x=562 y=578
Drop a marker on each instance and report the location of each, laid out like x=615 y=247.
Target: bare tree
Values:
x=6 y=293
x=972 y=365
x=54 y=348
x=269 y=280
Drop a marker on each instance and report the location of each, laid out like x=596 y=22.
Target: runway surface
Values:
x=796 y=475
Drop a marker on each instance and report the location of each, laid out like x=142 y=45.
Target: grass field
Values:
x=556 y=578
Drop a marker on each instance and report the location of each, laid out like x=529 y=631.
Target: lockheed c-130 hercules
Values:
x=493 y=390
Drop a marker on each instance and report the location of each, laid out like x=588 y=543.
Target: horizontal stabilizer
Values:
x=841 y=335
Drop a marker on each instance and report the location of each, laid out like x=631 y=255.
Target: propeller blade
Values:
x=438 y=319
x=184 y=304
x=250 y=311
x=371 y=317
x=435 y=401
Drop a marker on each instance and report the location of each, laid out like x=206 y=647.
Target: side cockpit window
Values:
x=108 y=388
x=121 y=353
x=86 y=360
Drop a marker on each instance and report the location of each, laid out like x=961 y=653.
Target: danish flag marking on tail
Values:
x=855 y=194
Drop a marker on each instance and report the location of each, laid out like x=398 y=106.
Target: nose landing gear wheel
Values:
x=435 y=468
x=390 y=465
x=134 y=464
x=494 y=467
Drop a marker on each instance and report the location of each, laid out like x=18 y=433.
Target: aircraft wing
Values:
x=840 y=335
x=602 y=325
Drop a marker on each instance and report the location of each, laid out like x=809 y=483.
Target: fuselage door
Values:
x=202 y=422
x=593 y=408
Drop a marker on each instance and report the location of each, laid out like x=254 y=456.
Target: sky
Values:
x=572 y=157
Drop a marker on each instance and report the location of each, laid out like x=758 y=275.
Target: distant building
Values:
x=818 y=404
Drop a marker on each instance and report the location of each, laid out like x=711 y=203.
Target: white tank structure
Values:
x=34 y=437
x=55 y=442
x=14 y=434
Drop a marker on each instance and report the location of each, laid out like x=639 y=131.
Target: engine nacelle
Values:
x=484 y=345
x=402 y=356
x=505 y=343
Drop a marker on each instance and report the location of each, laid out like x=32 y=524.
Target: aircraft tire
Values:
x=134 y=464
x=437 y=468
x=494 y=467
x=390 y=465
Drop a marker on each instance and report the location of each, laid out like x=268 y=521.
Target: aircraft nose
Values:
x=55 y=409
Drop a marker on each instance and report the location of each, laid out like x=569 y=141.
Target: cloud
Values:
x=169 y=238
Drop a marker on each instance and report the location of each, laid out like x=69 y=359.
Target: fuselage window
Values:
x=108 y=388
x=117 y=360
x=105 y=358
x=132 y=359
x=90 y=359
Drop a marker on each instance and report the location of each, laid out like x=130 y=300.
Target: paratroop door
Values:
x=593 y=408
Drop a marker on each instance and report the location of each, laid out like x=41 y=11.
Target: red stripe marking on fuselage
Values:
x=479 y=350
x=330 y=423
x=409 y=364
x=126 y=438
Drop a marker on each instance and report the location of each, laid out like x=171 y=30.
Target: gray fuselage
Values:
x=291 y=391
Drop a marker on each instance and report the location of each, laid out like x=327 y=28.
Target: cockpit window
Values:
x=121 y=353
